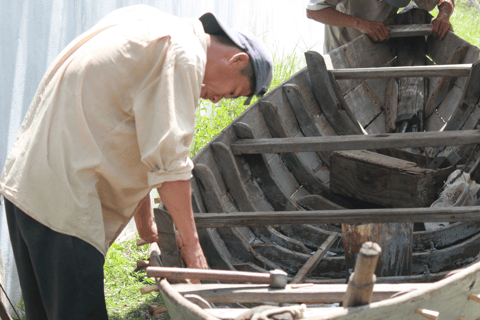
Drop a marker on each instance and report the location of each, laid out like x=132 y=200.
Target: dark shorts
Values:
x=61 y=276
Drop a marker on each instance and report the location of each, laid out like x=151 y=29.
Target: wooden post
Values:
x=360 y=284
x=395 y=236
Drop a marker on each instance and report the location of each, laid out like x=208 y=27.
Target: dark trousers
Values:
x=61 y=276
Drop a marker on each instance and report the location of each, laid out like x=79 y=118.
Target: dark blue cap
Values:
x=259 y=55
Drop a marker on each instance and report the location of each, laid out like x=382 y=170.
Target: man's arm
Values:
x=441 y=24
x=176 y=196
x=375 y=30
x=146 y=226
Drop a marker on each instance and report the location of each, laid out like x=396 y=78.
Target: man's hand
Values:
x=440 y=27
x=146 y=226
x=375 y=30
x=441 y=24
x=192 y=254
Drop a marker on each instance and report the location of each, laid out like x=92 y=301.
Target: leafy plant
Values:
x=122 y=284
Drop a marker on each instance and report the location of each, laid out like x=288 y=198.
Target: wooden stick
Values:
x=149 y=289
x=452 y=70
x=142 y=264
x=240 y=219
x=356 y=142
x=207 y=274
x=360 y=285
x=308 y=267
x=156 y=310
x=428 y=314
x=474 y=297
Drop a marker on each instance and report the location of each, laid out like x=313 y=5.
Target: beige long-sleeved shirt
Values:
x=373 y=10
x=113 y=118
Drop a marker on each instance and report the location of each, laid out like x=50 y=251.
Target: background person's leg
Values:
x=68 y=270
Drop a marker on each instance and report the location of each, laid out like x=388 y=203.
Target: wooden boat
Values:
x=275 y=185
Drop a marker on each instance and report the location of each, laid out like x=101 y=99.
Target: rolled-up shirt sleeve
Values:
x=316 y=5
x=164 y=113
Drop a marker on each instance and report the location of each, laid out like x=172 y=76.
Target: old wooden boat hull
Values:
x=277 y=157
x=224 y=182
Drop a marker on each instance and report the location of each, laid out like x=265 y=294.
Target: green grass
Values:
x=465 y=21
x=122 y=284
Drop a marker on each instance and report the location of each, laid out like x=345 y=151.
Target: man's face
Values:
x=227 y=83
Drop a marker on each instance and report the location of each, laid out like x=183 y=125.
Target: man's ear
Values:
x=239 y=60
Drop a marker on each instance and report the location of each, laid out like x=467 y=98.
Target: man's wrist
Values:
x=445 y=10
x=357 y=23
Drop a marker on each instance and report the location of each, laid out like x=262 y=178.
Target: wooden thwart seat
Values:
x=235 y=219
x=356 y=142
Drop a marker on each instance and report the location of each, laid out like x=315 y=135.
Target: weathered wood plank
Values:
x=452 y=70
x=288 y=260
x=402 y=154
x=443 y=84
x=444 y=237
x=452 y=214
x=396 y=238
x=304 y=119
x=314 y=293
x=234 y=240
x=469 y=100
x=450 y=258
x=356 y=142
x=440 y=50
x=248 y=266
x=361 y=52
x=413 y=30
x=308 y=267
x=263 y=174
x=302 y=173
x=328 y=97
x=317 y=202
x=391 y=106
x=215 y=250
x=237 y=189
x=179 y=307
x=310 y=235
x=167 y=240
x=382 y=180
x=365 y=106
